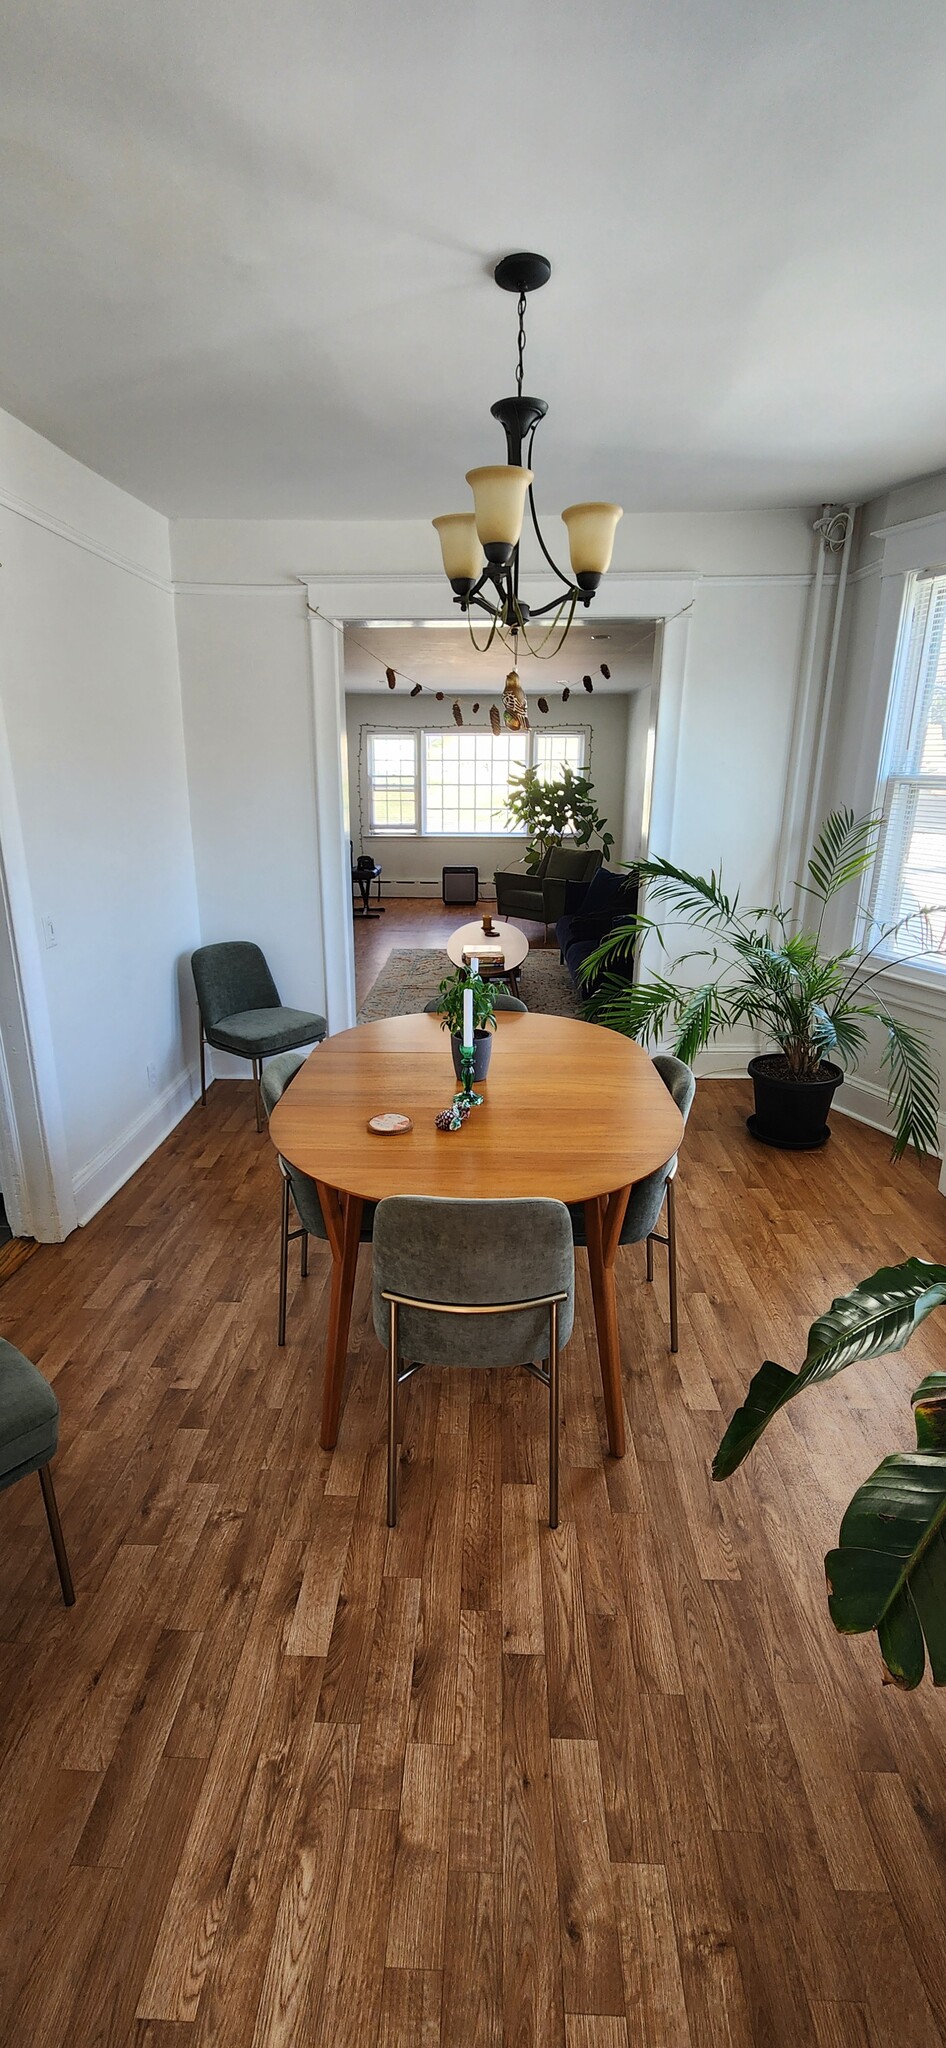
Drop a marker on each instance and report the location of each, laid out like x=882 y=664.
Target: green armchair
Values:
x=542 y=896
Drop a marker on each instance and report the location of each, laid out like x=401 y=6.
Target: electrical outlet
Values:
x=49 y=932
x=152 y=1075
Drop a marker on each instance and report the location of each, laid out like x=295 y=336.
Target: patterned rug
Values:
x=412 y=974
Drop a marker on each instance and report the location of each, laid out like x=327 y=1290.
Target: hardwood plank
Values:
x=532 y=1979
x=419 y=1885
x=591 y=1967
x=354 y=1971
x=295 y=1965
x=523 y=1618
x=650 y=1963
x=472 y=2008
x=476 y=1809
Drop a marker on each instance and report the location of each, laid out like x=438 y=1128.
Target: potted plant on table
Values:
x=768 y=969
x=551 y=809
x=451 y=992
x=889 y=1569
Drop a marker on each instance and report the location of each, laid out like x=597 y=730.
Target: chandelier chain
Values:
x=522 y=342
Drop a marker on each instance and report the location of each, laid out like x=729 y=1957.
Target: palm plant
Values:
x=765 y=968
x=888 y=1571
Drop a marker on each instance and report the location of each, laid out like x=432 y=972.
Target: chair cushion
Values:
x=29 y=1416
x=252 y=1032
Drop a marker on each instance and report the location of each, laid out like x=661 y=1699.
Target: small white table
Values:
x=514 y=943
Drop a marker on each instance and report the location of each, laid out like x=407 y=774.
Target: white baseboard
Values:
x=722 y=1062
x=96 y=1183
x=867 y=1103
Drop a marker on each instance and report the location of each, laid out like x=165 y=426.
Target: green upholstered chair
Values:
x=542 y=896
x=29 y=1433
x=298 y=1191
x=502 y=1000
x=648 y=1195
x=488 y=1283
x=240 y=1010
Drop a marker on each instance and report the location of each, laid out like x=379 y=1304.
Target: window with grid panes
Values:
x=392 y=782
x=910 y=871
x=552 y=751
x=466 y=782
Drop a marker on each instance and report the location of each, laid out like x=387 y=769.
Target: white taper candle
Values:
x=468 y=1016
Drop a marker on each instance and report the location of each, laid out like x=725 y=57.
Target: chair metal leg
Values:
x=304 y=1256
x=55 y=1530
x=257 y=1071
x=283 y=1262
x=672 y=1263
x=392 y=1415
x=553 y=1415
x=650 y=1258
x=203 y=1070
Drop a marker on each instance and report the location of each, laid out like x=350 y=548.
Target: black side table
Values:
x=362 y=878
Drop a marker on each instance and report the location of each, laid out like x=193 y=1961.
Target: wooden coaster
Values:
x=391 y=1124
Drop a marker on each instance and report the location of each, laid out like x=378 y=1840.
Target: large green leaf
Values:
x=879 y=1316
x=889 y=1570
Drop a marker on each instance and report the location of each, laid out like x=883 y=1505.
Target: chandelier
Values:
x=481 y=548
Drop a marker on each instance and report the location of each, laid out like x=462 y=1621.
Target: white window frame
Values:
x=906 y=683
x=384 y=732
x=420 y=829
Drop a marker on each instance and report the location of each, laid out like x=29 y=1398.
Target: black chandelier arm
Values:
x=540 y=611
x=567 y=580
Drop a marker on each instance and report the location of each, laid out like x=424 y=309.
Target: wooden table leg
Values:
x=602 y=1250
x=344 y=1262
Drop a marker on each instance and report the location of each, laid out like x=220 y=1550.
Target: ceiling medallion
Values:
x=481 y=548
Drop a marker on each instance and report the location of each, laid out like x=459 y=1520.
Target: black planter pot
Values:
x=791 y=1114
x=482 y=1047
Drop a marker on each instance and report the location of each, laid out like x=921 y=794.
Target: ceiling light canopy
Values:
x=481 y=548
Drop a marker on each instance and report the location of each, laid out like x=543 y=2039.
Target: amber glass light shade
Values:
x=460 y=547
x=499 y=500
x=591 y=531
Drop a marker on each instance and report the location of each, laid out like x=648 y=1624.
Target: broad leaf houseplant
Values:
x=551 y=809
x=771 y=970
x=888 y=1571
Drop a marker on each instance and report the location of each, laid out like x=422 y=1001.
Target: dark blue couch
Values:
x=591 y=910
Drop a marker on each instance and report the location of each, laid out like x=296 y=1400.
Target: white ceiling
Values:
x=246 y=246
x=442 y=658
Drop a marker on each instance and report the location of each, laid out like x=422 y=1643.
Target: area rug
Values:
x=412 y=974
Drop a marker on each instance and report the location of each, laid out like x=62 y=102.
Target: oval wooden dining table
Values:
x=570 y=1110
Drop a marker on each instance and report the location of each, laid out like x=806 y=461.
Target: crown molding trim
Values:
x=75 y=536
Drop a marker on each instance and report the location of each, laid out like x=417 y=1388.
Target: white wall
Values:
x=248 y=729
x=415 y=864
x=95 y=798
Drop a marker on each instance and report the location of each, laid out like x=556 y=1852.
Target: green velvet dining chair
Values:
x=240 y=1010
x=298 y=1191
x=473 y=1283
x=29 y=1434
x=647 y=1196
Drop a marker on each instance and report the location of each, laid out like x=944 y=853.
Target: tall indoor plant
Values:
x=550 y=809
x=770 y=970
x=888 y=1571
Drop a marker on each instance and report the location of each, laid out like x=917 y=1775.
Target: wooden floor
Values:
x=428 y=922
x=283 y=1777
